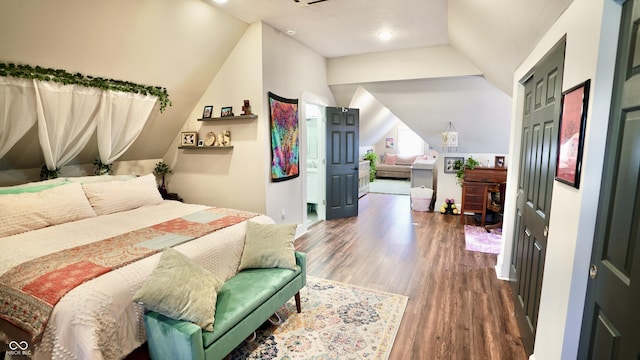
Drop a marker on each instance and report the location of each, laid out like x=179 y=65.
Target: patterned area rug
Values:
x=338 y=321
x=476 y=238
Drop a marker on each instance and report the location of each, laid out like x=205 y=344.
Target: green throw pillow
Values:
x=181 y=289
x=269 y=246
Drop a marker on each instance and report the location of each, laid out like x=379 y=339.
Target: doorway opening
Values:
x=315 y=163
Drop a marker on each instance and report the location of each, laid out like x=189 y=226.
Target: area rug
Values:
x=388 y=186
x=338 y=321
x=476 y=238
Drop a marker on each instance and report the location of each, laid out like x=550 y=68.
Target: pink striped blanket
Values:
x=29 y=291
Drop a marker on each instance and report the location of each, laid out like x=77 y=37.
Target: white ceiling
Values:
x=346 y=27
x=495 y=35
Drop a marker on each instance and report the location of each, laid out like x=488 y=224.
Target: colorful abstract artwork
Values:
x=283 y=115
x=573 y=121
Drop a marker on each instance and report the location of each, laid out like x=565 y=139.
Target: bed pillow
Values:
x=35 y=186
x=99 y=178
x=269 y=246
x=115 y=196
x=181 y=289
x=34 y=210
x=390 y=159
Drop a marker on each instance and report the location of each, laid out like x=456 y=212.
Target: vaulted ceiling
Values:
x=181 y=44
x=495 y=35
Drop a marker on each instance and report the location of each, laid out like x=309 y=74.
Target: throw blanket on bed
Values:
x=29 y=291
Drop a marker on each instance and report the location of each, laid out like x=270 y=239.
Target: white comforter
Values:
x=98 y=320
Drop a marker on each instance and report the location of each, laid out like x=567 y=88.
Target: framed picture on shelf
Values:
x=573 y=119
x=499 y=162
x=453 y=164
x=226 y=111
x=201 y=142
x=189 y=138
x=208 y=110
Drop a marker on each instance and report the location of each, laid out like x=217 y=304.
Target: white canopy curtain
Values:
x=66 y=120
x=17 y=111
x=120 y=120
x=67 y=116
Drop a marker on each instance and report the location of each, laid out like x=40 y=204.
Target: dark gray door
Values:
x=342 y=162
x=543 y=89
x=611 y=322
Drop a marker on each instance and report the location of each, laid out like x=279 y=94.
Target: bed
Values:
x=98 y=319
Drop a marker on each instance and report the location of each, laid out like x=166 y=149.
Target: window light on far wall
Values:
x=409 y=143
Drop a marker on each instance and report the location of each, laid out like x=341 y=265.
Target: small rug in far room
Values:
x=476 y=238
x=389 y=186
x=338 y=321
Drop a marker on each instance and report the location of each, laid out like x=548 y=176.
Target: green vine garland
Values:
x=66 y=78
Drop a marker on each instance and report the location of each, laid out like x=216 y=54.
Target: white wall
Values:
x=591 y=30
x=228 y=178
x=418 y=63
x=131 y=167
x=291 y=70
x=381 y=145
x=477 y=109
x=263 y=60
x=448 y=187
x=177 y=44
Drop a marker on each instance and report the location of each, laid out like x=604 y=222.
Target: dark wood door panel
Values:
x=611 y=322
x=535 y=185
x=342 y=163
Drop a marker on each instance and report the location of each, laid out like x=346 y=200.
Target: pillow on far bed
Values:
x=34 y=210
x=99 y=178
x=115 y=196
x=181 y=289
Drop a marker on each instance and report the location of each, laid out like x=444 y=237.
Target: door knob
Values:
x=546 y=231
x=593 y=271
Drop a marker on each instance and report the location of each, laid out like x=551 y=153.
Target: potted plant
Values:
x=162 y=169
x=46 y=174
x=102 y=169
x=373 y=158
x=470 y=163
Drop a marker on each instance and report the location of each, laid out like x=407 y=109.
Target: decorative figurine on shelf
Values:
x=226 y=138
x=449 y=207
x=246 y=109
x=219 y=140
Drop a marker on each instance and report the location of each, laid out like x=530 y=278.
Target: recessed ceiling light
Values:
x=220 y=1
x=384 y=35
x=291 y=31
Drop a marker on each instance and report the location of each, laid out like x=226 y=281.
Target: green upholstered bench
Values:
x=244 y=303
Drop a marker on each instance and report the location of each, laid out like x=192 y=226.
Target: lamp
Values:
x=449 y=137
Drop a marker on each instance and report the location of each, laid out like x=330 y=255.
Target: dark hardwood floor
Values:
x=457 y=307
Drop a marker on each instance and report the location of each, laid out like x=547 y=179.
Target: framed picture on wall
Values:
x=208 y=110
x=452 y=164
x=388 y=143
x=189 y=138
x=573 y=119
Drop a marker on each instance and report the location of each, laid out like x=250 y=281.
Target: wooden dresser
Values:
x=477 y=187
